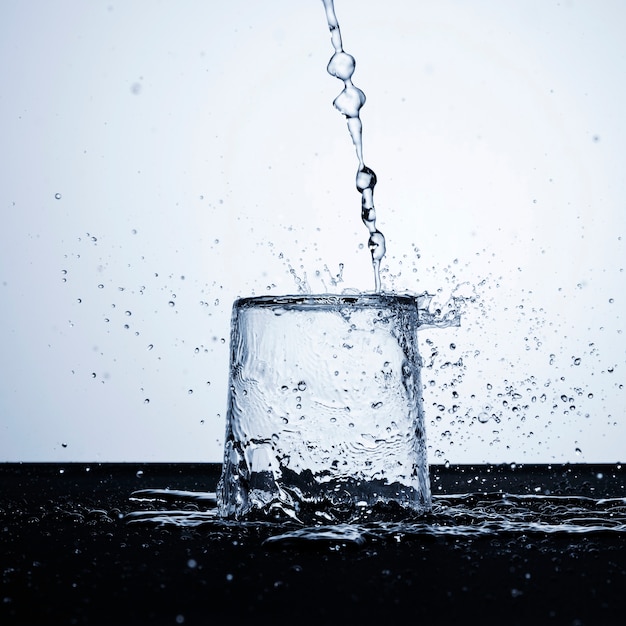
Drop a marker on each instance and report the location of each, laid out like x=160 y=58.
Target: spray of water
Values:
x=349 y=103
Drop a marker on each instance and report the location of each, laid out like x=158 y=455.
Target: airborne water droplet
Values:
x=350 y=101
x=341 y=65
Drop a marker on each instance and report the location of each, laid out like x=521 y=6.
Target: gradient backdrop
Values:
x=160 y=159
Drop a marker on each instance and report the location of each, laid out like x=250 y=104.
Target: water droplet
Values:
x=365 y=179
x=58 y=196
x=139 y=473
x=341 y=65
x=578 y=451
x=192 y=564
x=301 y=386
x=350 y=101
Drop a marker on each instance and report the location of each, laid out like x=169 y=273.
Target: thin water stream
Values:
x=349 y=103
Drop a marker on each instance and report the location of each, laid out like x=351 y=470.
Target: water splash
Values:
x=454 y=515
x=349 y=103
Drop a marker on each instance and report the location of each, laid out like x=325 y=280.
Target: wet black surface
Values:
x=68 y=556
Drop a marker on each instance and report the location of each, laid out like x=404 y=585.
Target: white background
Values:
x=160 y=159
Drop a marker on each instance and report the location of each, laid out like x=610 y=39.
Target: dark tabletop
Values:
x=69 y=556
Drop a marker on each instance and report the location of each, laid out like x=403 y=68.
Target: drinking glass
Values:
x=325 y=418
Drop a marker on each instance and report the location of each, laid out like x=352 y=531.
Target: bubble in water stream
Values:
x=350 y=101
x=341 y=65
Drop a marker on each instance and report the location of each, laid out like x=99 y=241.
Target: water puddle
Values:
x=468 y=515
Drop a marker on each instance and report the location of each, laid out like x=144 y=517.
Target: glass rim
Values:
x=366 y=299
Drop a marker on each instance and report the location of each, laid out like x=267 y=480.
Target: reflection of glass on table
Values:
x=325 y=416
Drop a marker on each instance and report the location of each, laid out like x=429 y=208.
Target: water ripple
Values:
x=455 y=515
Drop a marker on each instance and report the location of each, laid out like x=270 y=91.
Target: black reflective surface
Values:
x=68 y=555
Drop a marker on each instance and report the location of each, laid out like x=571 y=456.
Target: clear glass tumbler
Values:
x=325 y=419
